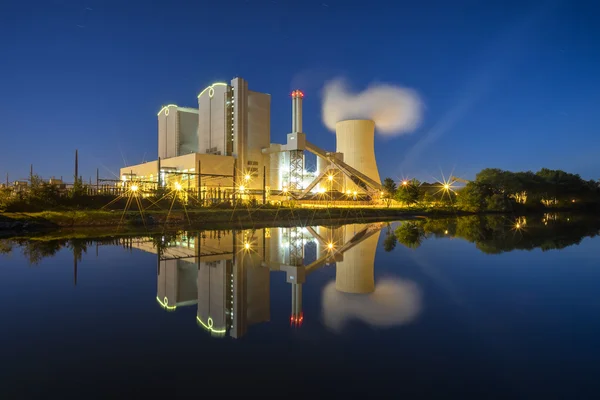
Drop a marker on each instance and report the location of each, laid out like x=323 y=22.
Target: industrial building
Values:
x=225 y=145
x=226 y=274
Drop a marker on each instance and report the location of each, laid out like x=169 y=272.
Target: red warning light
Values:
x=297 y=93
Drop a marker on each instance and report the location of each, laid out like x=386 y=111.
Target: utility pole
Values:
x=233 y=195
x=200 y=182
x=264 y=184
x=97 y=179
x=30 y=173
x=7 y=179
x=76 y=166
x=159 y=175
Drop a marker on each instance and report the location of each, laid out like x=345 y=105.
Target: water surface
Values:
x=489 y=307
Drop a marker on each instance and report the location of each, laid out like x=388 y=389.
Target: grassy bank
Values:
x=199 y=219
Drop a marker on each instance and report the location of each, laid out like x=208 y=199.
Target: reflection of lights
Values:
x=177 y=186
x=209 y=325
x=247 y=177
x=134 y=188
x=165 y=304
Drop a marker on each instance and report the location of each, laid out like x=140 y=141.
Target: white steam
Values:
x=393 y=303
x=395 y=110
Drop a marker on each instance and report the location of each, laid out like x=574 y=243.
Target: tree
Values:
x=389 y=190
x=410 y=234
x=389 y=242
x=409 y=193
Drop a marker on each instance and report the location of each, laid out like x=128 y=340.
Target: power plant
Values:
x=226 y=275
x=223 y=149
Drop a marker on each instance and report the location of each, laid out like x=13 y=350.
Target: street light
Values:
x=242 y=188
x=134 y=188
x=177 y=186
x=247 y=177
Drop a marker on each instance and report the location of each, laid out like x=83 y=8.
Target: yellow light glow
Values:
x=355 y=193
x=445 y=232
x=330 y=246
x=446 y=186
x=404 y=183
x=177 y=186
x=166 y=109
x=212 y=87
x=247 y=246
x=285 y=190
x=518 y=225
x=165 y=304
x=247 y=177
x=330 y=177
x=134 y=188
x=348 y=192
x=242 y=188
x=209 y=325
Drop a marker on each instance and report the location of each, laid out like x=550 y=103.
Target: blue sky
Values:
x=507 y=84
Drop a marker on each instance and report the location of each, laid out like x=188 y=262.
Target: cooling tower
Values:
x=356 y=140
x=356 y=272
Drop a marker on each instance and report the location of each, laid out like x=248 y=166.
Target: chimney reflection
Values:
x=226 y=274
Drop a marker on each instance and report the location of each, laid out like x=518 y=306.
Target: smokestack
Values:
x=297 y=96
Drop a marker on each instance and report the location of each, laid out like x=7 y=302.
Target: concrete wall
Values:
x=212 y=285
x=259 y=136
x=356 y=140
x=209 y=163
x=168 y=128
x=188 y=131
x=213 y=129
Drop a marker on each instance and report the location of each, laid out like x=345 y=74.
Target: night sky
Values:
x=507 y=84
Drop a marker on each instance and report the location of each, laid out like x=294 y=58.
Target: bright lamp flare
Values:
x=247 y=177
x=330 y=177
x=446 y=186
x=330 y=246
x=404 y=183
x=242 y=188
x=247 y=246
x=177 y=186
x=134 y=188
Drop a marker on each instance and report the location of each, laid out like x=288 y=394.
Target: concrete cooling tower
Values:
x=356 y=140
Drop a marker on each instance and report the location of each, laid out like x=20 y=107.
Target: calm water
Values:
x=472 y=307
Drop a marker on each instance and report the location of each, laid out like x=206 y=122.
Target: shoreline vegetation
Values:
x=490 y=233
x=205 y=218
x=43 y=206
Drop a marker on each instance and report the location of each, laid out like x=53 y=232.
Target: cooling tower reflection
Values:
x=226 y=276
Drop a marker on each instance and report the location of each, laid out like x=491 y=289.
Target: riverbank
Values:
x=11 y=223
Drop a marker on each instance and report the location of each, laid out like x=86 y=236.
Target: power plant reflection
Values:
x=226 y=274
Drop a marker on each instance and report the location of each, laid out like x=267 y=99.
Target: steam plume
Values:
x=393 y=303
x=395 y=110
